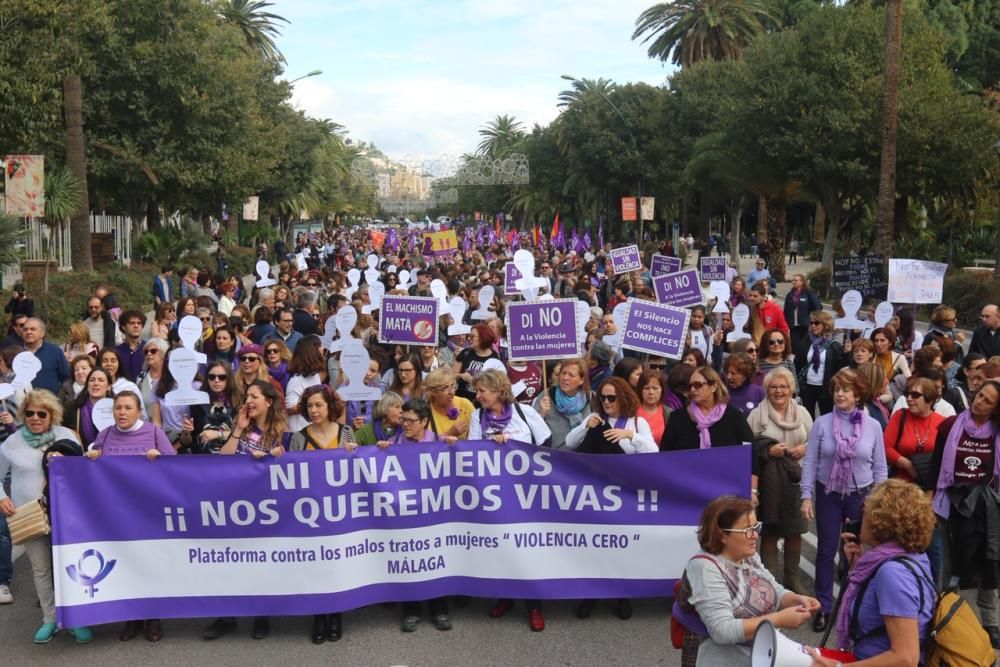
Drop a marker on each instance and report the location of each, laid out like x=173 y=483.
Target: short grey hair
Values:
x=306 y=298
x=265 y=293
x=202 y=311
x=41 y=324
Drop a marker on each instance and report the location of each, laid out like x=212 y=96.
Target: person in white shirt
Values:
x=500 y=417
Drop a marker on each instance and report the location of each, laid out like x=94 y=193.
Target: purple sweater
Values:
x=869 y=466
x=114 y=442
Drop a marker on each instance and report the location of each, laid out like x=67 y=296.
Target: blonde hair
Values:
x=79 y=333
x=439 y=378
x=44 y=399
x=898 y=511
x=495 y=381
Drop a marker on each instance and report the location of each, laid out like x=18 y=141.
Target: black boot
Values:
x=820 y=621
x=319 y=629
x=334 y=628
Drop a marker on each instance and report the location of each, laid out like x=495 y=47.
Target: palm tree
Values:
x=582 y=87
x=499 y=136
x=695 y=30
x=257 y=25
x=76 y=160
x=885 y=218
x=63 y=197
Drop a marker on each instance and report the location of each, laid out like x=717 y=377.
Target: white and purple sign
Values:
x=335 y=531
x=542 y=329
x=408 y=320
x=678 y=289
x=661 y=264
x=655 y=328
x=510 y=276
x=625 y=259
x=713 y=268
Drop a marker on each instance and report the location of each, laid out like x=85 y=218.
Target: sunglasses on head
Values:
x=41 y=414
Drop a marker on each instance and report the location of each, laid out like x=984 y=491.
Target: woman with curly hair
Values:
x=888 y=607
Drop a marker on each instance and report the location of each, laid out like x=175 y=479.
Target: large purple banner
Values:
x=319 y=532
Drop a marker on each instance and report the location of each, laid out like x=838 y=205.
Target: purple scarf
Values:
x=491 y=423
x=402 y=439
x=964 y=424
x=279 y=373
x=672 y=400
x=380 y=433
x=841 y=472
x=705 y=422
x=862 y=570
x=87 y=428
x=818 y=343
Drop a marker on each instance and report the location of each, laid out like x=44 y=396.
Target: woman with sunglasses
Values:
x=817 y=360
x=845 y=457
x=252 y=368
x=386 y=420
x=22 y=455
x=308 y=368
x=726 y=592
x=80 y=412
x=781 y=428
x=130 y=436
x=407 y=377
x=154 y=353
x=709 y=420
x=277 y=357
x=775 y=351
x=206 y=431
x=260 y=430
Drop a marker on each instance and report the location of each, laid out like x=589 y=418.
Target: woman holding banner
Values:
x=709 y=420
x=844 y=458
x=386 y=420
x=130 y=436
x=451 y=414
x=259 y=431
x=567 y=404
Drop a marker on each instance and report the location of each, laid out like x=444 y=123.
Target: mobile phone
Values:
x=853 y=527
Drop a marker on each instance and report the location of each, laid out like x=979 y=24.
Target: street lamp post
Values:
x=996 y=253
x=635 y=146
x=315 y=72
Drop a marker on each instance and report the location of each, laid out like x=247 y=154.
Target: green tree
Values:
x=258 y=26
x=499 y=136
x=688 y=31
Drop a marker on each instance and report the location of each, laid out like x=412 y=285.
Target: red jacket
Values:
x=772 y=317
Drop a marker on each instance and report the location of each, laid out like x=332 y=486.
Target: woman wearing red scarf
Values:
x=966 y=465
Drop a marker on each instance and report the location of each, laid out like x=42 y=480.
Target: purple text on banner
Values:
x=678 y=289
x=713 y=268
x=626 y=259
x=543 y=330
x=655 y=328
x=662 y=264
x=510 y=276
x=408 y=320
x=327 y=531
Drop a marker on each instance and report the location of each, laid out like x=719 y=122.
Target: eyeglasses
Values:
x=778 y=387
x=451 y=387
x=748 y=532
x=608 y=398
x=151 y=352
x=813 y=323
x=751 y=350
x=696 y=385
x=213 y=376
x=776 y=341
x=407 y=370
x=409 y=420
x=249 y=358
x=273 y=351
x=41 y=414
x=914 y=395
x=205 y=319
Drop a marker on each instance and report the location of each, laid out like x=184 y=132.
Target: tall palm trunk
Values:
x=777 y=230
x=890 y=112
x=76 y=160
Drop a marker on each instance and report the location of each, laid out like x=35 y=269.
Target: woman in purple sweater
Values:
x=845 y=457
x=131 y=436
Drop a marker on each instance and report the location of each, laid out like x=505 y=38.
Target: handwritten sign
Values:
x=865 y=274
x=661 y=265
x=916 y=281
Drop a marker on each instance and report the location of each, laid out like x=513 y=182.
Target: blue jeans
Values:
x=6 y=562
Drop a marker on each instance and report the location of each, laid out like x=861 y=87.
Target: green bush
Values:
x=167 y=245
x=821 y=281
x=968 y=292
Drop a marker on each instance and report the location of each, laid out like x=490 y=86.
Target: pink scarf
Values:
x=705 y=421
x=964 y=425
x=845 y=450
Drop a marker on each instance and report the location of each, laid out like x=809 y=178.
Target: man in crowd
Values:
x=284 y=331
x=55 y=368
x=100 y=324
x=986 y=336
x=13 y=339
x=131 y=349
x=303 y=320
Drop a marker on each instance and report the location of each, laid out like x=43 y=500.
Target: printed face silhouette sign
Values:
x=440 y=292
x=376 y=290
x=851 y=303
x=404 y=279
x=329 y=332
x=300 y=262
x=189 y=331
x=486 y=294
x=344 y=321
x=103 y=413
x=25 y=366
x=720 y=290
x=263 y=270
x=741 y=315
x=883 y=313
x=457 y=308
x=528 y=284
x=183 y=366
x=354 y=362
x=354 y=278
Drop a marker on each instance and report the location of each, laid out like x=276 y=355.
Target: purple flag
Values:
x=479 y=236
x=492 y=238
x=586 y=240
x=600 y=233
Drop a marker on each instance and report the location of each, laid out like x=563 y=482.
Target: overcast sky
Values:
x=420 y=78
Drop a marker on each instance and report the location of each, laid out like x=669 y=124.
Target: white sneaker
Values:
x=5 y=596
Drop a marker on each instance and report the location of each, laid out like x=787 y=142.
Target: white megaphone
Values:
x=773 y=649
